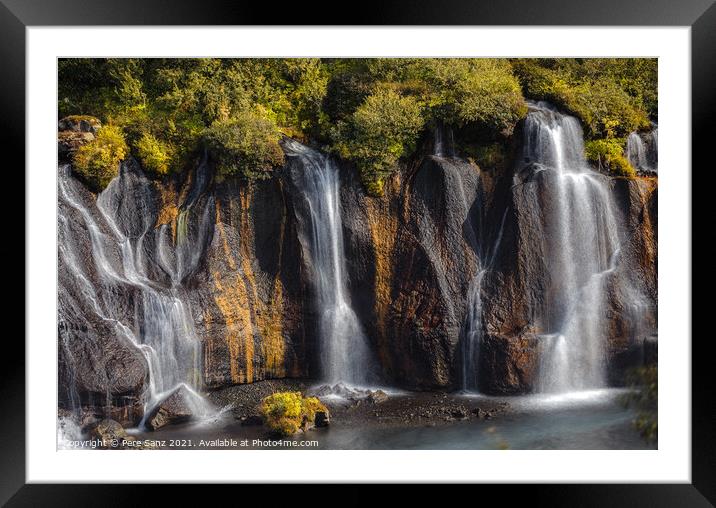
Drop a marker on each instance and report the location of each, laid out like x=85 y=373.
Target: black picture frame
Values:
x=16 y=15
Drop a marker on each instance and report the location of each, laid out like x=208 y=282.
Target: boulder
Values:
x=377 y=397
x=322 y=419
x=79 y=123
x=109 y=432
x=68 y=142
x=73 y=132
x=480 y=413
x=176 y=407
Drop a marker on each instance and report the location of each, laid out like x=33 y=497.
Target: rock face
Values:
x=73 y=132
x=222 y=262
x=411 y=256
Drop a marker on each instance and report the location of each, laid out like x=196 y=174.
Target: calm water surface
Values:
x=579 y=420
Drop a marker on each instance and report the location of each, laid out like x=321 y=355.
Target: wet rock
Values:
x=252 y=420
x=458 y=414
x=322 y=419
x=109 y=432
x=377 y=397
x=354 y=395
x=252 y=230
x=175 y=408
x=509 y=362
x=480 y=413
x=651 y=350
x=413 y=254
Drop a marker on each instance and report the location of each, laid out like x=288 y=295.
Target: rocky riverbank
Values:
x=374 y=408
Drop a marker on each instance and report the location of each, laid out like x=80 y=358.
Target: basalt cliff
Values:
x=211 y=282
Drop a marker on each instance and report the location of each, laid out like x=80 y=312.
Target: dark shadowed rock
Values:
x=322 y=419
x=651 y=350
x=252 y=420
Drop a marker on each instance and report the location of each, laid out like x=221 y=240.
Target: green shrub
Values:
x=153 y=154
x=609 y=154
x=98 y=162
x=285 y=413
x=475 y=90
x=384 y=128
x=245 y=145
x=368 y=110
x=585 y=89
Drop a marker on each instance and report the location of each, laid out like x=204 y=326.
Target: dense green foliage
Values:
x=246 y=144
x=153 y=154
x=98 y=162
x=285 y=413
x=382 y=129
x=608 y=154
x=373 y=112
x=612 y=97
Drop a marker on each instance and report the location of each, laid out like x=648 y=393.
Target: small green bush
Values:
x=153 y=154
x=609 y=154
x=98 y=162
x=285 y=413
x=384 y=128
x=245 y=145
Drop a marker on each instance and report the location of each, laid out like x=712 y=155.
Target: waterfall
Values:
x=636 y=151
x=473 y=331
x=443 y=143
x=343 y=348
x=120 y=227
x=642 y=150
x=582 y=248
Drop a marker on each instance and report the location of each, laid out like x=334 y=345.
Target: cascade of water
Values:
x=344 y=351
x=582 y=247
x=473 y=330
x=443 y=143
x=162 y=328
x=642 y=150
x=654 y=151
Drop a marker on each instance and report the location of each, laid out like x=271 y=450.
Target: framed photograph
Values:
x=423 y=249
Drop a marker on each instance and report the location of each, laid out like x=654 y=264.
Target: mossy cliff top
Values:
x=372 y=112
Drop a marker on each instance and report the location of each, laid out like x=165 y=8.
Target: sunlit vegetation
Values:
x=285 y=413
x=98 y=162
x=372 y=112
x=608 y=154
